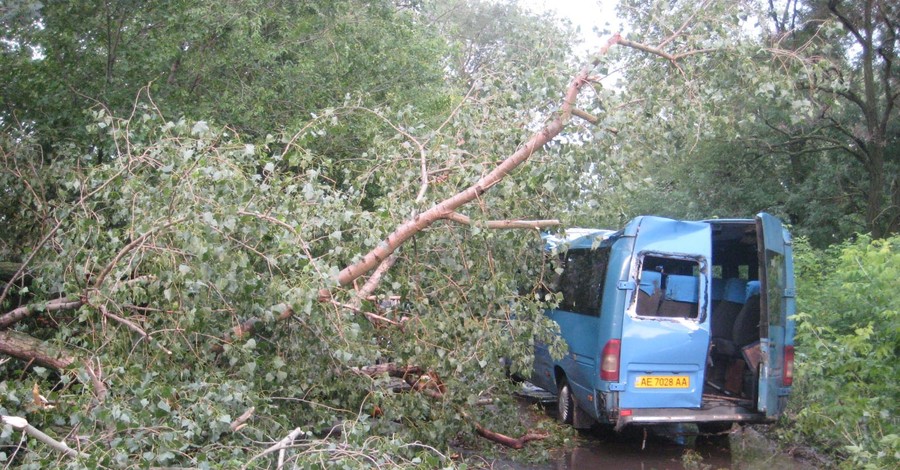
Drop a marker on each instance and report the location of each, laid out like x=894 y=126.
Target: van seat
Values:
x=682 y=288
x=735 y=290
x=681 y=297
x=649 y=294
x=752 y=289
x=650 y=282
x=746 y=325
x=723 y=316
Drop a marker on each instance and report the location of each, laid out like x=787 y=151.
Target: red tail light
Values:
x=788 y=377
x=609 y=362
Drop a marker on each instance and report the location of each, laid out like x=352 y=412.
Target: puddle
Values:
x=676 y=447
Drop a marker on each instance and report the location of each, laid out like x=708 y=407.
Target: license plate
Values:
x=663 y=381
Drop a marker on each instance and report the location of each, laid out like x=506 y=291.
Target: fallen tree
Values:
x=200 y=260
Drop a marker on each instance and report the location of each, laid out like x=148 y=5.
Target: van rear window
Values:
x=668 y=287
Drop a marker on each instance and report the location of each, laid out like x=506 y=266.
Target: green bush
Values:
x=846 y=394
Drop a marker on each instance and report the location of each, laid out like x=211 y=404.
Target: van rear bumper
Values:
x=724 y=413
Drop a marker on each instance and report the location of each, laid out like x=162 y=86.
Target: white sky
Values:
x=586 y=14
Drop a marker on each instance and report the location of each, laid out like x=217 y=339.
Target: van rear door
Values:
x=776 y=306
x=665 y=330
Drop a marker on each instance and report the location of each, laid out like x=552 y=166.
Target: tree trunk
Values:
x=875 y=200
x=31 y=349
x=8 y=270
x=442 y=210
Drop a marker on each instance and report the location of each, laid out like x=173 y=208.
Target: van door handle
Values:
x=625 y=285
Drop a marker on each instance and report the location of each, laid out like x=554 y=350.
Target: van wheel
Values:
x=565 y=404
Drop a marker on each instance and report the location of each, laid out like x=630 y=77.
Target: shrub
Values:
x=847 y=341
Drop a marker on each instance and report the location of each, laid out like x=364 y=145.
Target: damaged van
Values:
x=670 y=321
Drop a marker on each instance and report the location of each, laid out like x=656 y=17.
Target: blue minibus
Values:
x=670 y=321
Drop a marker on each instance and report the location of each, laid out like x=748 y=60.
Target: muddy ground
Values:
x=664 y=448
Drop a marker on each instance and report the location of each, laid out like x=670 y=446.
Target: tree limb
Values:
x=134 y=244
x=515 y=443
x=407 y=229
x=373 y=317
x=279 y=446
x=247 y=327
x=130 y=325
x=241 y=420
x=505 y=224
x=18 y=314
x=586 y=116
x=832 y=6
x=31 y=349
x=96 y=375
x=648 y=49
x=21 y=424
x=372 y=282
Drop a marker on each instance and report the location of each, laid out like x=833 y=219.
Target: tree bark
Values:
x=513 y=442
x=31 y=349
x=18 y=314
x=505 y=224
x=8 y=270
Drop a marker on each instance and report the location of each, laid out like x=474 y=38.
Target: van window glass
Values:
x=668 y=287
x=581 y=281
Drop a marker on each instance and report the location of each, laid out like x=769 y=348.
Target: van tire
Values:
x=565 y=403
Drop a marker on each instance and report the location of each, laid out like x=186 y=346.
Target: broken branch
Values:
x=369 y=287
x=241 y=420
x=130 y=325
x=515 y=443
x=21 y=424
x=245 y=328
x=585 y=115
x=18 y=314
x=279 y=446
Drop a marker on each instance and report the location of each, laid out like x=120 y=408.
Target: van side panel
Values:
x=580 y=364
x=585 y=336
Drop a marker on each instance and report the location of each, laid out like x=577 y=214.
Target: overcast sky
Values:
x=586 y=14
